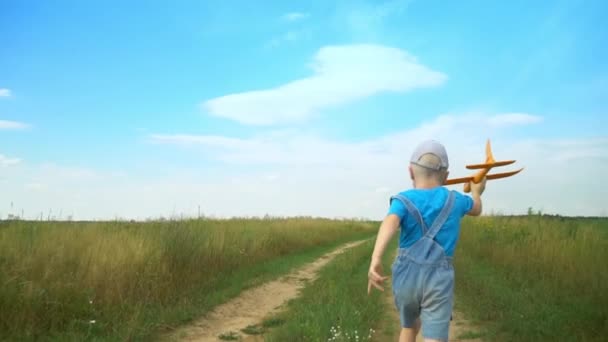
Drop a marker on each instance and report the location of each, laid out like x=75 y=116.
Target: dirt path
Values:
x=460 y=328
x=253 y=305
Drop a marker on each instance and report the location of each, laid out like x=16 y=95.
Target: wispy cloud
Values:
x=367 y=20
x=362 y=174
x=300 y=149
x=341 y=74
x=371 y=14
x=6 y=161
x=294 y=33
x=514 y=119
x=34 y=187
x=208 y=140
x=290 y=37
x=383 y=190
x=331 y=178
x=294 y=16
x=4 y=92
x=568 y=150
x=4 y=124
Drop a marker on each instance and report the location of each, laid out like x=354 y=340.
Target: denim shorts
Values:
x=424 y=291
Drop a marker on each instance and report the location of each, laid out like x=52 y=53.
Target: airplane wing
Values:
x=492 y=176
x=495 y=164
x=458 y=180
x=503 y=174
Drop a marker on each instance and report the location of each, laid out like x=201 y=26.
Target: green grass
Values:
x=336 y=304
x=535 y=278
x=253 y=330
x=130 y=281
x=229 y=336
x=469 y=335
x=272 y=322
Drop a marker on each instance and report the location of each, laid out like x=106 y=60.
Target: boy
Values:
x=429 y=216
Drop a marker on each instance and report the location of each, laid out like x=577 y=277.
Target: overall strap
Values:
x=442 y=217
x=411 y=208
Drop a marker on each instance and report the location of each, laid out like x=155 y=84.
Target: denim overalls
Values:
x=423 y=276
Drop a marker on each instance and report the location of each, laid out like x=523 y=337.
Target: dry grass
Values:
x=75 y=280
x=536 y=277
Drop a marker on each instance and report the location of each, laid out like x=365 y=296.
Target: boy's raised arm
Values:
x=476 y=191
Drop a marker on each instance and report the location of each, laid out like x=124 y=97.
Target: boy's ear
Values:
x=411 y=172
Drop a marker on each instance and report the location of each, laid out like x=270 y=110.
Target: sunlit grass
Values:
x=536 y=277
x=125 y=280
x=335 y=307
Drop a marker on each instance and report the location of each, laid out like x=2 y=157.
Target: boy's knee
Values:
x=408 y=335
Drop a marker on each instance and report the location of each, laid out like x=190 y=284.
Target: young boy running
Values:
x=429 y=216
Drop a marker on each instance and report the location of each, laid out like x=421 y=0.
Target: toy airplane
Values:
x=483 y=170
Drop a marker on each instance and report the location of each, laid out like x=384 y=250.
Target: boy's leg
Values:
x=437 y=305
x=409 y=334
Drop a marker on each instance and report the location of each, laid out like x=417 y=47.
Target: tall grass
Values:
x=335 y=307
x=113 y=280
x=536 y=277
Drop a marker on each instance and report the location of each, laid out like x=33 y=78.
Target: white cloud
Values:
x=189 y=139
x=294 y=16
x=35 y=187
x=289 y=37
x=298 y=148
x=296 y=173
x=6 y=161
x=368 y=15
x=332 y=178
x=367 y=20
x=341 y=74
x=577 y=150
x=383 y=190
x=4 y=124
x=294 y=34
x=4 y=92
x=514 y=119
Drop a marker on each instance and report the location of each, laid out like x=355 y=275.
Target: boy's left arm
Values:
x=388 y=228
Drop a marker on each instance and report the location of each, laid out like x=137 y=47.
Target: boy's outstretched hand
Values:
x=375 y=277
x=388 y=228
x=478 y=189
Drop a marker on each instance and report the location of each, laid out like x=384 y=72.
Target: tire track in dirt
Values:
x=253 y=305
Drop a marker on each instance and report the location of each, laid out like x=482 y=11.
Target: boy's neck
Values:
x=426 y=184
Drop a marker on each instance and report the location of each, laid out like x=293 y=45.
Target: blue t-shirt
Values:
x=430 y=202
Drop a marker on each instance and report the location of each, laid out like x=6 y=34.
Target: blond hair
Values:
x=429 y=167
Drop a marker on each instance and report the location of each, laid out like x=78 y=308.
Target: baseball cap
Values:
x=432 y=147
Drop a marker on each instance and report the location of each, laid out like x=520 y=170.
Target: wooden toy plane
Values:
x=483 y=170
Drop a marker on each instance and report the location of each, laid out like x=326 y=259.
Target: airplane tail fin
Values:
x=489 y=156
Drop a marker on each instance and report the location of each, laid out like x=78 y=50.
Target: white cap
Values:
x=432 y=147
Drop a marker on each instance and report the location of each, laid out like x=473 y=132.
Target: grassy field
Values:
x=535 y=278
x=335 y=307
x=120 y=280
x=521 y=278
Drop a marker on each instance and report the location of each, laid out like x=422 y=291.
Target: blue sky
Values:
x=147 y=108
